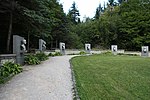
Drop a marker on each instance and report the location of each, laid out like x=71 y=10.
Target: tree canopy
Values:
x=126 y=23
x=32 y=19
x=74 y=14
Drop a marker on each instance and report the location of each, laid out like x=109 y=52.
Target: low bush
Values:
x=41 y=56
x=82 y=53
x=32 y=60
x=51 y=54
x=9 y=69
x=55 y=54
x=107 y=53
x=73 y=54
x=35 y=59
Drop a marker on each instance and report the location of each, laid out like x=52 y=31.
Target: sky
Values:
x=87 y=8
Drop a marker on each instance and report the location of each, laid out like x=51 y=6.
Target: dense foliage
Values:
x=74 y=14
x=9 y=69
x=41 y=56
x=33 y=19
x=33 y=59
x=126 y=23
x=55 y=54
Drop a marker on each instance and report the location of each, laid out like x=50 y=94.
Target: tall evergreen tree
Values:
x=99 y=11
x=111 y=2
x=97 y=14
x=120 y=1
x=74 y=13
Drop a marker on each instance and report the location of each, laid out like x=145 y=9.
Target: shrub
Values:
x=32 y=60
x=51 y=54
x=82 y=53
x=35 y=59
x=55 y=54
x=10 y=68
x=58 y=54
x=41 y=56
x=107 y=53
x=73 y=54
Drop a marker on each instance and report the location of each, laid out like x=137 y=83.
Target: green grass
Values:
x=108 y=77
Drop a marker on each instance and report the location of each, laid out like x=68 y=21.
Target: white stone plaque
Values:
x=62 y=48
x=145 y=51
x=114 y=49
x=88 y=48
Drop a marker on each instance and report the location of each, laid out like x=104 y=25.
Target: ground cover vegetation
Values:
x=9 y=69
x=54 y=54
x=106 y=76
x=125 y=23
x=33 y=59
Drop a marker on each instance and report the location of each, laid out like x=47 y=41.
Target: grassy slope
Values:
x=112 y=77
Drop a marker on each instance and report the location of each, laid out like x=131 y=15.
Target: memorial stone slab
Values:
x=42 y=45
x=19 y=48
x=62 y=48
x=114 y=49
x=145 y=51
x=88 y=48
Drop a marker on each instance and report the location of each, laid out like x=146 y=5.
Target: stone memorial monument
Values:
x=19 y=48
x=62 y=48
x=88 y=48
x=145 y=51
x=114 y=49
x=42 y=45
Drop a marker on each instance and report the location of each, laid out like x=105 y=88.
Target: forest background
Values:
x=125 y=23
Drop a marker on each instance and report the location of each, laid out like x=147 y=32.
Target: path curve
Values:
x=50 y=80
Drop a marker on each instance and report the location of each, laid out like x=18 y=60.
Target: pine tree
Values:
x=74 y=13
x=99 y=11
x=111 y=2
x=120 y=1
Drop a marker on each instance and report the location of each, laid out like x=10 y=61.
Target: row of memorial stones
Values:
x=144 y=52
x=62 y=48
x=19 y=48
x=114 y=49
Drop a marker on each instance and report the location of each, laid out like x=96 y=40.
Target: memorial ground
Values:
x=101 y=76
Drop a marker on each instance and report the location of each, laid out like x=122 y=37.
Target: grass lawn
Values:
x=108 y=77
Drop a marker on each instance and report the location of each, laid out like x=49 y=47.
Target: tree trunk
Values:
x=9 y=32
x=12 y=3
x=56 y=44
x=28 y=41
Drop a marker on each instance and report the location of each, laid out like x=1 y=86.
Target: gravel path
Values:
x=50 y=80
